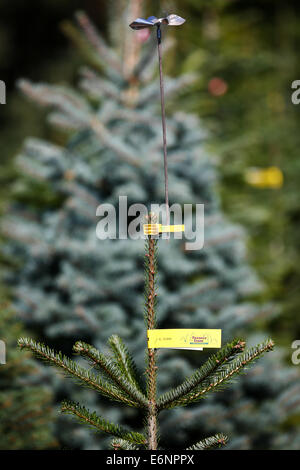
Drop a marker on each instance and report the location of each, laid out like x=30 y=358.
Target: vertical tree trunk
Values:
x=150 y=295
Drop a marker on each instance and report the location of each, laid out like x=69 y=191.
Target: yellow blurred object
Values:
x=184 y=338
x=271 y=177
x=155 y=229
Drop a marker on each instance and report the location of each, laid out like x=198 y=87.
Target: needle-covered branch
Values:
x=215 y=362
x=111 y=371
x=106 y=53
x=73 y=370
x=222 y=376
x=72 y=108
x=120 y=444
x=117 y=145
x=101 y=424
x=124 y=360
x=210 y=443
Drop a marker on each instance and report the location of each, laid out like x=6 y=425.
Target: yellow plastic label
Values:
x=184 y=338
x=155 y=229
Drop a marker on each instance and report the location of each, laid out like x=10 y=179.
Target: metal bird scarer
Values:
x=141 y=23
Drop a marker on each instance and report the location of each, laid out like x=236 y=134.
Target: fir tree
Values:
x=25 y=405
x=74 y=286
x=119 y=380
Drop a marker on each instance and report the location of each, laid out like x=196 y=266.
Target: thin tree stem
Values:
x=151 y=323
x=163 y=116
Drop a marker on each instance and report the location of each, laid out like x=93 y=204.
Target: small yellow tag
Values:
x=184 y=338
x=271 y=177
x=155 y=229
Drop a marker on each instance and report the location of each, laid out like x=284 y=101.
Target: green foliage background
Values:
x=254 y=47
x=26 y=406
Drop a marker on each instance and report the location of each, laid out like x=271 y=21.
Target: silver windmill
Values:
x=141 y=23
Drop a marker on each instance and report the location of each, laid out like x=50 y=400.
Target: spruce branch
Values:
x=70 y=103
x=101 y=424
x=124 y=360
x=223 y=375
x=105 y=53
x=110 y=369
x=82 y=44
x=73 y=370
x=120 y=444
x=215 y=362
x=98 y=87
x=122 y=150
x=173 y=86
x=73 y=107
x=210 y=442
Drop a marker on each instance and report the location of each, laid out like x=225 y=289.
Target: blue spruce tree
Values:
x=73 y=286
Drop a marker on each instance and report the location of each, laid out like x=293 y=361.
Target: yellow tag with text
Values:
x=184 y=338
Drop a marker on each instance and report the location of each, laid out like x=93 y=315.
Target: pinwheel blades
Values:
x=171 y=20
x=175 y=20
x=153 y=19
x=141 y=23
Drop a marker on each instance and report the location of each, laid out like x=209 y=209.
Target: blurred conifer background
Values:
x=247 y=53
